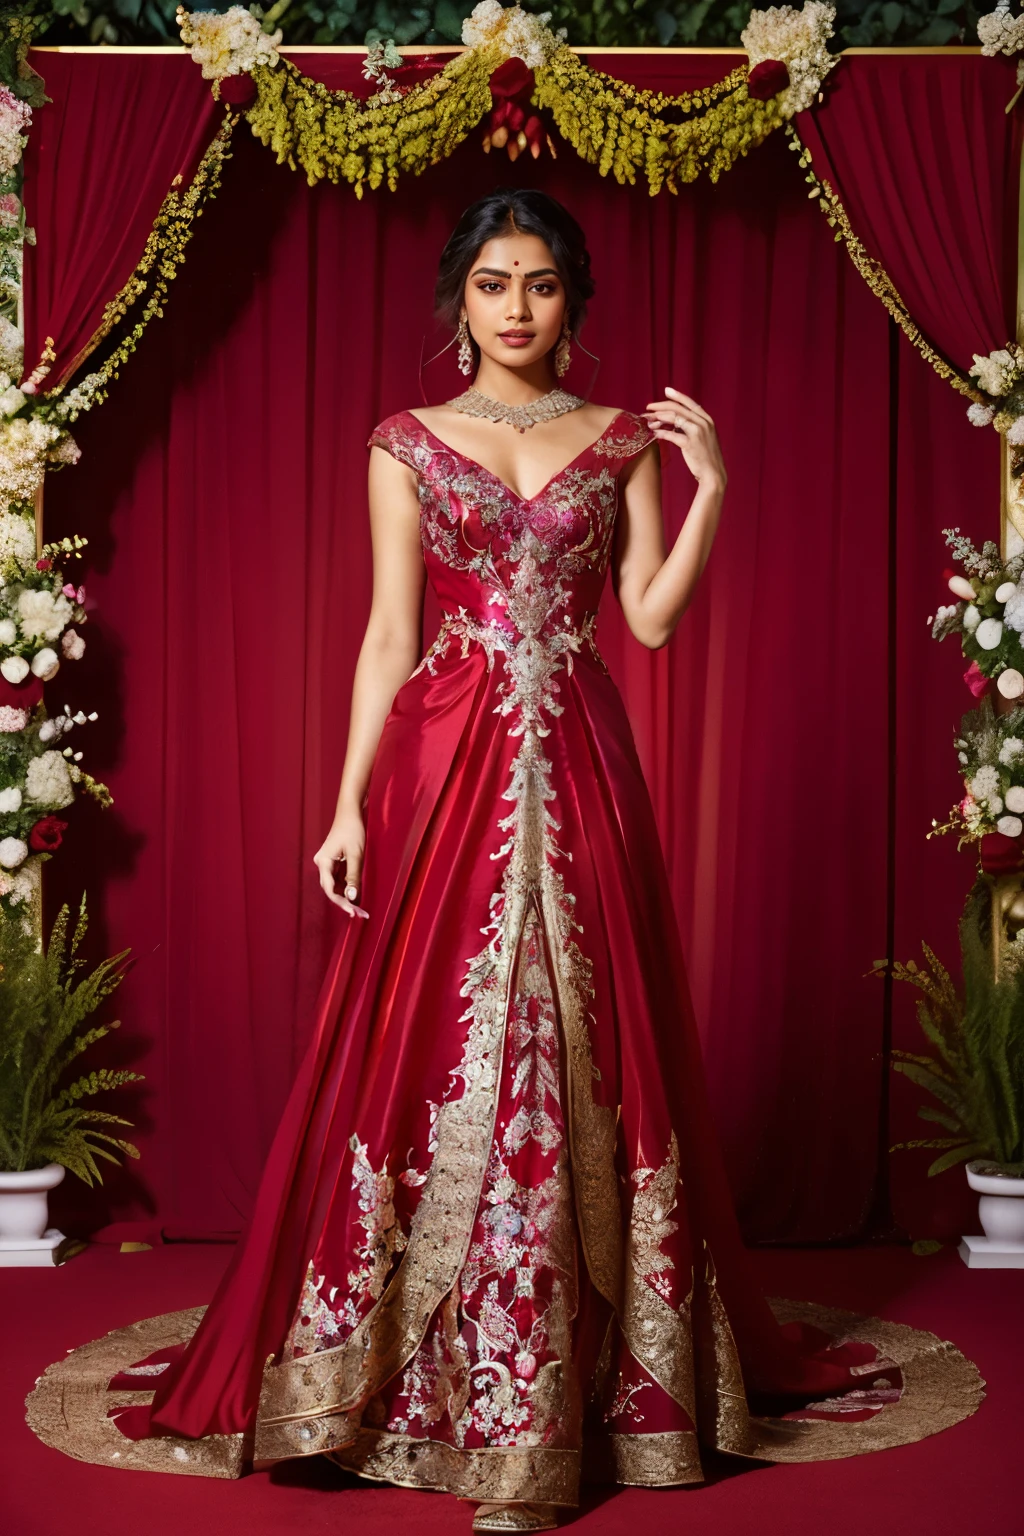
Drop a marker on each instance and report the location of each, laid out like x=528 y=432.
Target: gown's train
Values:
x=494 y=1246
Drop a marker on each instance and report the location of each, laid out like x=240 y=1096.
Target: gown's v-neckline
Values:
x=524 y=501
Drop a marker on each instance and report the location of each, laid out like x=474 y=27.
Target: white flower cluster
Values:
x=999 y=32
x=43 y=614
x=48 y=781
x=24 y=445
x=519 y=34
x=15 y=121
x=1013 y=610
x=228 y=43
x=82 y=398
x=17 y=539
x=22 y=885
x=10 y=349
x=1000 y=371
x=993 y=801
x=798 y=39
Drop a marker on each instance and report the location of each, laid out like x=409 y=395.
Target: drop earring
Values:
x=562 y=355
x=465 y=349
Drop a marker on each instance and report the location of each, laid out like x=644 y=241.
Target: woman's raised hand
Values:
x=345 y=841
x=680 y=420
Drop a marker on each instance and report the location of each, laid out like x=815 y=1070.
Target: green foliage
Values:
x=44 y=1009
x=606 y=23
x=976 y=1072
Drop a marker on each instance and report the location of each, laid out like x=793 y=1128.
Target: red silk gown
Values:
x=494 y=1243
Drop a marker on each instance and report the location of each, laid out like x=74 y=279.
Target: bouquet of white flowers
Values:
x=990 y=750
x=988 y=615
x=38 y=777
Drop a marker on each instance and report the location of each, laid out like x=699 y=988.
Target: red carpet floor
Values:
x=965 y=1480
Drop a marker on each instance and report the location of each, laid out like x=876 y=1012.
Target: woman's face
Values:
x=514 y=300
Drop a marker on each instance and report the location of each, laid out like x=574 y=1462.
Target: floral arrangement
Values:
x=227 y=43
x=999 y=378
x=38 y=777
x=1002 y=32
x=988 y=615
x=15 y=121
x=788 y=53
x=515 y=62
x=990 y=750
x=29 y=445
x=517 y=33
x=989 y=618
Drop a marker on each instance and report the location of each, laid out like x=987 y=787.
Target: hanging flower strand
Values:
x=514 y=68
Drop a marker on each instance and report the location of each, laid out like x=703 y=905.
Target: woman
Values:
x=494 y=1232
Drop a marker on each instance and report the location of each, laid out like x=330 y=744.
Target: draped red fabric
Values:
x=919 y=152
x=118 y=149
x=795 y=734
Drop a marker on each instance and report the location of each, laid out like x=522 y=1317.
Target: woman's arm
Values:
x=387 y=658
x=655 y=588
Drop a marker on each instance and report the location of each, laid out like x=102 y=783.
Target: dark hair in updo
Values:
x=510 y=211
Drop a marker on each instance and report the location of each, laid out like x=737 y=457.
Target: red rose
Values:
x=976 y=680
x=511 y=79
x=1001 y=855
x=43 y=565
x=237 y=90
x=46 y=834
x=767 y=79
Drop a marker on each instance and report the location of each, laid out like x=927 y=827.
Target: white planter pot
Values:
x=23 y=1202
x=1001 y=1207
x=1001 y=1212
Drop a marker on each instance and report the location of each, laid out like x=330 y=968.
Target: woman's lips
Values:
x=516 y=338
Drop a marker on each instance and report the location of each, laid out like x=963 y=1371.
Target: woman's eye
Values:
x=490 y=287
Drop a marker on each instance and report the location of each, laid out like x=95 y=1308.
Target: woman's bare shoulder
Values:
x=603 y=415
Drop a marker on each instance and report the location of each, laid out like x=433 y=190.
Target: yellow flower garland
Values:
x=872 y=271
x=338 y=136
x=622 y=130
x=612 y=125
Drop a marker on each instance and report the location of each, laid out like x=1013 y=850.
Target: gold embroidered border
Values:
x=872 y=271
x=657 y=1334
x=661 y=1460
x=300 y=1398
x=941 y=1387
x=498 y=1474
x=164 y=251
x=67 y=1408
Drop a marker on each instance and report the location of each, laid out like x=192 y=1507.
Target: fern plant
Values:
x=976 y=1071
x=44 y=1011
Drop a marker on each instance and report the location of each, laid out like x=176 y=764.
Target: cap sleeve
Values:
x=392 y=434
x=628 y=436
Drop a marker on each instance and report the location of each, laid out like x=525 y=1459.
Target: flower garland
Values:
x=625 y=132
x=872 y=271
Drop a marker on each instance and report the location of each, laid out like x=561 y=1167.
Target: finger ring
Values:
x=351 y=892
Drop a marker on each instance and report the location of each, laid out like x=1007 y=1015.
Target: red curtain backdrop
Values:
x=796 y=733
x=119 y=138
x=918 y=155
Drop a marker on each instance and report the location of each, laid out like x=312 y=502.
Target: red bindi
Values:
x=515 y=263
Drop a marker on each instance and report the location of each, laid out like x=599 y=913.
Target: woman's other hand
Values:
x=680 y=420
x=344 y=842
